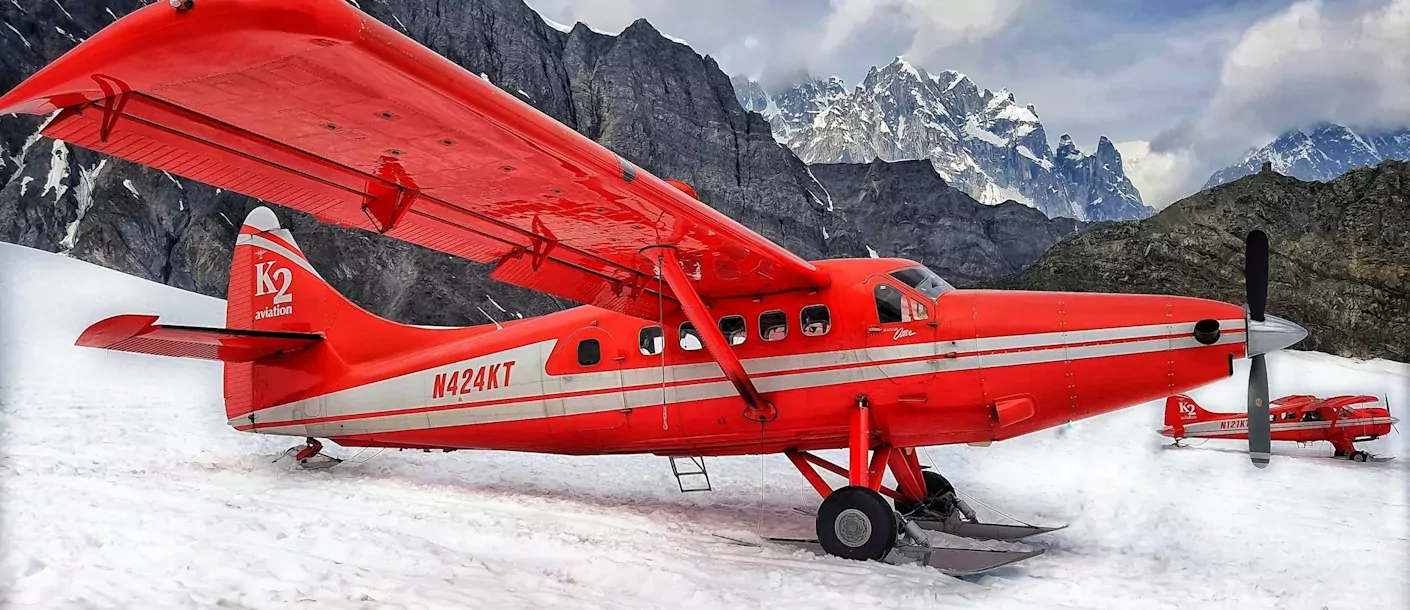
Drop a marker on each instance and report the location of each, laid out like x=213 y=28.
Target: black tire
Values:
x=857 y=523
x=1359 y=456
x=935 y=486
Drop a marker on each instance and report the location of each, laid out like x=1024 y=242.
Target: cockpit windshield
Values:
x=923 y=280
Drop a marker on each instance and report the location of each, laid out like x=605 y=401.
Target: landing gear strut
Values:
x=309 y=455
x=941 y=503
x=857 y=522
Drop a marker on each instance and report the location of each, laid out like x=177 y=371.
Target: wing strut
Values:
x=664 y=257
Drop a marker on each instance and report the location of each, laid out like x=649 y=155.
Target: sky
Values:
x=1183 y=87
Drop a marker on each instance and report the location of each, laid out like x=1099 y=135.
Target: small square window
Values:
x=733 y=328
x=773 y=325
x=589 y=352
x=651 y=341
x=817 y=320
x=690 y=338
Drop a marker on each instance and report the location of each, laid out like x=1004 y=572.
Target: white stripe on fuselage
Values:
x=1240 y=426
x=532 y=393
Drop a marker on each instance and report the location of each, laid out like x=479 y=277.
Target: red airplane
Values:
x=697 y=337
x=1339 y=420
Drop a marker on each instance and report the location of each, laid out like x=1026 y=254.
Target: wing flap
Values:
x=140 y=334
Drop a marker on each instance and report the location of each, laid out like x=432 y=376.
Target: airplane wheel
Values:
x=856 y=523
x=1359 y=456
x=935 y=486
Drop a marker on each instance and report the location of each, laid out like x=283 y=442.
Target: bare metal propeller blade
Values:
x=1260 y=443
x=1256 y=273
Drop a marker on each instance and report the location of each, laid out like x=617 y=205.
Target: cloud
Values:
x=1160 y=176
x=1312 y=62
x=933 y=24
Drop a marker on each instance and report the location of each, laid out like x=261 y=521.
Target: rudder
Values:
x=1181 y=410
x=274 y=288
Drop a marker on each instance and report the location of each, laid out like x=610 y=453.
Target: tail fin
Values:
x=1181 y=410
x=274 y=289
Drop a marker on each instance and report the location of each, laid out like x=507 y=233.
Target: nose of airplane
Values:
x=1272 y=334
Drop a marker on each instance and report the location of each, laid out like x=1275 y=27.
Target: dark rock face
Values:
x=1340 y=255
x=653 y=101
x=905 y=209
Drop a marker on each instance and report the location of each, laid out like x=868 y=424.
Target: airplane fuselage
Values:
x=1303 y=419
x=967 y=367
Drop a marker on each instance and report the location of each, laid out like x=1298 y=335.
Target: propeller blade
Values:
x=1256 y=273
x=1260 y=442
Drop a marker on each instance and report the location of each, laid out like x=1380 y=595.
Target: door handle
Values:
x=873 y=329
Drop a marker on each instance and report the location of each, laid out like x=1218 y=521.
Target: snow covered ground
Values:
x=122 y=488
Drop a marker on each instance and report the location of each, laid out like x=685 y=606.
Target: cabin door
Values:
x=900 y=330
x=583 y=390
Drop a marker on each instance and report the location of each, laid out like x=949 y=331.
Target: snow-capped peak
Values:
x=1320 y=152
x=983 y=143
x=905 y=66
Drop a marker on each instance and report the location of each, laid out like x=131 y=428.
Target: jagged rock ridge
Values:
x=980 y=141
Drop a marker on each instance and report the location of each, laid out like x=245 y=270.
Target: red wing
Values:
x=140 y=334
x=315 y=106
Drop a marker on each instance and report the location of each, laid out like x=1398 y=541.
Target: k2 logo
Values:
x=265 y=282
x=1187 y=410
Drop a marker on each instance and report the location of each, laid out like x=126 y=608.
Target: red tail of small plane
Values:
x=286 y=330
x=1181 y=410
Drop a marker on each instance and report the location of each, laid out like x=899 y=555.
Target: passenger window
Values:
x=773 y=325
x=816 y=320
x=589 y=352
x=888 y=304
x=732 y=327
x=690 y=338
x=651 y=341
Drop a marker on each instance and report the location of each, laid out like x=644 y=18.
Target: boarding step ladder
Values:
x=692 y=467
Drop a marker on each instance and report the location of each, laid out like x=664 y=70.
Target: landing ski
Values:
x=976 y=531
x=948 y=560
x=985 y=531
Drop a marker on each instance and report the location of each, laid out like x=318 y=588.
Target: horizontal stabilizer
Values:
x=140 y=334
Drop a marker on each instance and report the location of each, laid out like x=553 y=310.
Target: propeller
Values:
x=1260 y=443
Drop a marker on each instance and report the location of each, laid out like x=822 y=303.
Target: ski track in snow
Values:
x=123 y=488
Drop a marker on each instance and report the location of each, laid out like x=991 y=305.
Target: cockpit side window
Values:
x=924 y=281
x=889 y=308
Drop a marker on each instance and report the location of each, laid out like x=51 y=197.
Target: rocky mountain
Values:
x=905 y=209
x=980 y=141
x=1340 y=263
x=1322 y=153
